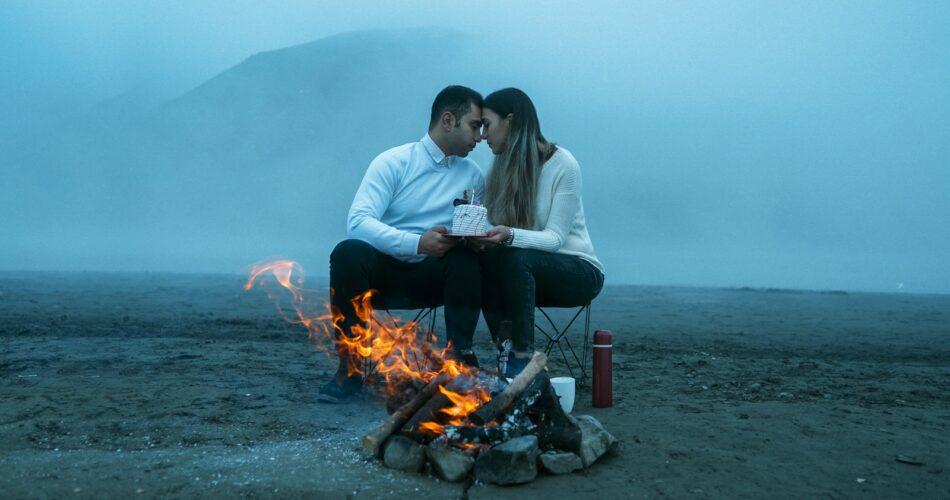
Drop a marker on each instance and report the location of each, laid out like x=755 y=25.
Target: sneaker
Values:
x=339 y=390
x=516 y=365
x=469 y=358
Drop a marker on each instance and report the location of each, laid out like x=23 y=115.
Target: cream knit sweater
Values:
x=559 y=222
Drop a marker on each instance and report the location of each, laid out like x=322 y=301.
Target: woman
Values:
x=542 y=253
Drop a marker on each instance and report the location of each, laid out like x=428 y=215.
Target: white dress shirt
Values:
x=406 y=191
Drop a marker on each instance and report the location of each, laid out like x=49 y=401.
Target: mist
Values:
x=722 y=144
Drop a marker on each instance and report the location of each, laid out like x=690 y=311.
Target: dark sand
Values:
x=185 y=385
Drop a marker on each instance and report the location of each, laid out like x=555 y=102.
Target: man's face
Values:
x=467 y=132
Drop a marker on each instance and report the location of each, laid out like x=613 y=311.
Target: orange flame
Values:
x=433 y=428
x=463 y=404
x=392 y=350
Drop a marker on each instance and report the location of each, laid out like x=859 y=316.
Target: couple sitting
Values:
x=537 y=253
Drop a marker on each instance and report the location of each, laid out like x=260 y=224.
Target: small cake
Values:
x=469 y=219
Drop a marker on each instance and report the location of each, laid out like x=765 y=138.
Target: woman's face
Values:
x=495 y=130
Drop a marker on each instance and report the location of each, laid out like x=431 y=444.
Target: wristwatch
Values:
x=511 y=237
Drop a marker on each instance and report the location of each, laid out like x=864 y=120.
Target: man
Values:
x=396 y=232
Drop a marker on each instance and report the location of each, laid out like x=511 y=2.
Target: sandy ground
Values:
x=185 y=385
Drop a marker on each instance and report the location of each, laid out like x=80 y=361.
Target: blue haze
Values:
x=763 y=144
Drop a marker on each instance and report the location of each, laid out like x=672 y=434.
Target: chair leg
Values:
x=566 y=361
x=561 y=334
x=586 y=341
x=577 y=361
x=551 y=338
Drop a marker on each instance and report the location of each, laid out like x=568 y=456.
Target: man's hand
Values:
x=494 y=236
x=434 y=243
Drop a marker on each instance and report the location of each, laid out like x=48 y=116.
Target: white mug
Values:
x=564 y=388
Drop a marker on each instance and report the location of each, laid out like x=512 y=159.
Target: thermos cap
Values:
x=603 y=337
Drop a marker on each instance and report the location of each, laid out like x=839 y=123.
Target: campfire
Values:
x=441 y=411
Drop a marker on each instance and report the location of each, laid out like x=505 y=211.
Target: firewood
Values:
x=375 y=438
x=526 y=401
x=518 y=417
x=401 y=393
x=536 y=411
x=486 y=435
x=431 y=412
x=555 y=428
x=501 y=403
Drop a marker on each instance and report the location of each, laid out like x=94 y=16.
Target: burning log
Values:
x=555 y=428
x=402 y=393
x=501 y=403
x=541 y=406
x=536 y=411
x=486 y=434
x=375 y=438
x=431 y=412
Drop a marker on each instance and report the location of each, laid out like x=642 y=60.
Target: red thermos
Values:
x=603 y=371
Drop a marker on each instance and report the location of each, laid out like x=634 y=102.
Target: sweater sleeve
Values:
x=370 y=203
x=565 y=204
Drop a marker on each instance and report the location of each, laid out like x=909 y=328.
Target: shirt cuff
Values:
x=409 y=244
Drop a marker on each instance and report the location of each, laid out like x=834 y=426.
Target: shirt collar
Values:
x=434 y=151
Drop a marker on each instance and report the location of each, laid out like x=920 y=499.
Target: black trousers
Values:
x=452 y=280
x=515 y=280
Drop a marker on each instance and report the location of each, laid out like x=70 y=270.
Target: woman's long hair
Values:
x=512 y=184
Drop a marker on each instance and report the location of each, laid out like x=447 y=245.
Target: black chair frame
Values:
x=557 y=337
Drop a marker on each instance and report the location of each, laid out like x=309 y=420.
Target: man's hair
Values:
x=455 y=99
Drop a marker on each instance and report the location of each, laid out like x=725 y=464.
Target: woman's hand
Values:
x=495 y=235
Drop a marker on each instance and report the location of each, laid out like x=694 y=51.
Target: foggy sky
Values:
x=727 y=144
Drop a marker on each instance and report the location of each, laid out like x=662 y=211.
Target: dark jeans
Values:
x=452 y=280
x=515 y=280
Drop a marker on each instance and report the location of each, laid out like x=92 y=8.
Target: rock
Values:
x=402 y=453
x=450 y=464
x=561 y=462
x=595 y=440
x=512 y=462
